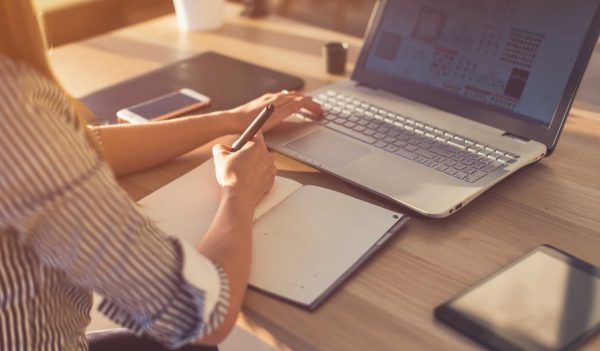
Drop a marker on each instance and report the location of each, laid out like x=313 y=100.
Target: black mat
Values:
x=228 y=82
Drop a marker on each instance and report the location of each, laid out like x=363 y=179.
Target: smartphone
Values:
x=164 y=107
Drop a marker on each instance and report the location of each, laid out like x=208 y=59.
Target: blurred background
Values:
x=72 y=20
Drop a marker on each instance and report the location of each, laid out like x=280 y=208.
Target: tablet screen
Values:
x=546 y=301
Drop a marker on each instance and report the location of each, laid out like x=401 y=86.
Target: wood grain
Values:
x=388 y=304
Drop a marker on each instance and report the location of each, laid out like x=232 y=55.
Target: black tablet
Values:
x=547 y=300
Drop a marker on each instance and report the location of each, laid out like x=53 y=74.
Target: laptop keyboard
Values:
x=445 y=152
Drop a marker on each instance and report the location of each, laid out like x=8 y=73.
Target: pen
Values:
x=253 y=128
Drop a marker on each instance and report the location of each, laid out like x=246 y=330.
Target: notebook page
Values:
x=304 y=245
x=185 y=207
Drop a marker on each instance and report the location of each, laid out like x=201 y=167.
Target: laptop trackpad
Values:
x=328 y=148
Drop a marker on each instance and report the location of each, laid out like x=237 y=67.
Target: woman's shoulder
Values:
x=22 y=86
x=18 y=77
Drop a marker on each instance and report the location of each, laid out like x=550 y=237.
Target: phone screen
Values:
x=163 y=105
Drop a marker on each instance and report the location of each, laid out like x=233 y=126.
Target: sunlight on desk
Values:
x=388 y=304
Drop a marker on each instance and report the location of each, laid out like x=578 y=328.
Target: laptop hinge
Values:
x=515 y=137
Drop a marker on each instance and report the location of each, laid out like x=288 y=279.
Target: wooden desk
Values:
x=388 y=304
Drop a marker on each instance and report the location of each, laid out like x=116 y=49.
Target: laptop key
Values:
x=492 y=166
x=425 y=145
x=381 y=144
x=389 y=139
x=478 y=165
x=430 y=163
x=460 y=175
x=424 y=153
x=421 y=159
x=497 y=155
x=449 y=162
x=379 y=135
x=469 y=161
x=405 y=153
x=450 y=171
x=453 y=149
x=391 y=148
x=400 y=143
x=457 y=143
x=473 y=177
x=369 y=132
x=359 y=128
x=362 y=137
x=441 y=167
x=438 y=150
x=469 y=169
x=439 y=158
x=411 y=148
x=459 y=166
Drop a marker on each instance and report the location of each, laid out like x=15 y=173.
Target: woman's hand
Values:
x=247 y=175
x=286 y=103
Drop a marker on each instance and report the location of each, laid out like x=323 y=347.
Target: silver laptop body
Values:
x=432 y=142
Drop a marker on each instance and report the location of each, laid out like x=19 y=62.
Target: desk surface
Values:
x=388 y=304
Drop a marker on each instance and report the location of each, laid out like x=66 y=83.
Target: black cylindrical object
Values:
x=335 y=57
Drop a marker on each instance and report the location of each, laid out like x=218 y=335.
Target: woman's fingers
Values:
x=220 y=149
x=284 y=99
x=297 y=103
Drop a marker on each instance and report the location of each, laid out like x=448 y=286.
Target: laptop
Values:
x=448 y=98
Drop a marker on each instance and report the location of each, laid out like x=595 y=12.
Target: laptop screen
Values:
x=511 y=56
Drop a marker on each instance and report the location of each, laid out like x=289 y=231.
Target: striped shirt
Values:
x=67 y=229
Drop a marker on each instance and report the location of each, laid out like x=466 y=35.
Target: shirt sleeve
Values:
x=66 y=205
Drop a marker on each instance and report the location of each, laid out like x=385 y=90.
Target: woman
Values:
x=67 y=229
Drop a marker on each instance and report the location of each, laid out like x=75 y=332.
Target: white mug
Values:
x=199 y=15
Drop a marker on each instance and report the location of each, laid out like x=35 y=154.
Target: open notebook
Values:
x=307 y=239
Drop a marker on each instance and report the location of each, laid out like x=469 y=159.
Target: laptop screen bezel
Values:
x=521 y=127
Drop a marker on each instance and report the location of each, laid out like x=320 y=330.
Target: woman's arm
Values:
x=245 y=177
x=130 y=148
